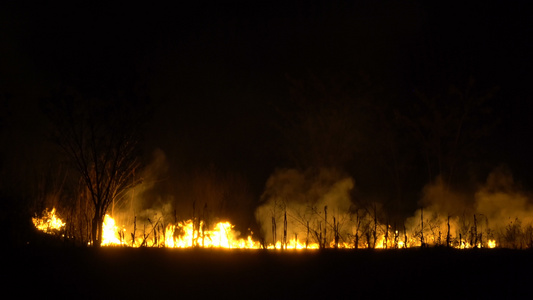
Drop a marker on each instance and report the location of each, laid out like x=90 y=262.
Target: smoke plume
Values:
x=304 y=204
x=498 y=210
x=144 y=203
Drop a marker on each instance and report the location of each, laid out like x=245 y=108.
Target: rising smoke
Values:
x=317 y=206
x=144 y=203
x=305 y=204
x=499 y=209
x=206 y=194
x=507 y=207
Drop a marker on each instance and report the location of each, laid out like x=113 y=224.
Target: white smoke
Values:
x=499 y=210
x=143 y=204
x=308 y=201
x=508 y=209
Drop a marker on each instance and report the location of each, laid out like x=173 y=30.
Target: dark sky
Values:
x=216 y=73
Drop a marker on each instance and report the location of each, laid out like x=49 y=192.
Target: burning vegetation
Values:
x=366 y=233
x=49 y=222
x=321 y=214
x=118 y=203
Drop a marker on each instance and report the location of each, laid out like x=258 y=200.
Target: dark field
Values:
x=126 y=273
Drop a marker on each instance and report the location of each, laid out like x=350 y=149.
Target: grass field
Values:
x=157 y=273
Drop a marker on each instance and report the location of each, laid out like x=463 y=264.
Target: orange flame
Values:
x=49 y=222
x=191 y=233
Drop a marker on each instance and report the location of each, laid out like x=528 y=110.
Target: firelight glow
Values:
x=191 y=234
x=49 y=222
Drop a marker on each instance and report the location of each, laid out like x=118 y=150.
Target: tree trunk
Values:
x=448 y=234
x=422 y=244
x=274 y=231
x=97 y=232
x=386 y=236
x=375 y=231
x=475 y=232
x=284 y=246
x=307 y=237
x=325 y=224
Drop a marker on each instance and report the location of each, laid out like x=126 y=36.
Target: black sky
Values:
x=216 y=72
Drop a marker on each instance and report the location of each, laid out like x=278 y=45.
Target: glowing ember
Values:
x=49 y=222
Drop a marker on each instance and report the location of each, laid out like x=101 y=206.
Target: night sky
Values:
x=218 y=75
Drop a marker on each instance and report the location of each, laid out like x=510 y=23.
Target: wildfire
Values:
x=190 y=234
x=196 y=233
x=110 y=233
x=186 y=234
x=49 y=222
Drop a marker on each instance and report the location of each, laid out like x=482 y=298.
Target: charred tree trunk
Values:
x=368 y=235
x=356 y=241
x=475 y=232
x=194 y=226
x=396 y=237
x=96 y=230
x=422 y=244
x=448 y=234
x=320 y=242
x=285 y=230
x=307 y=238
x=375 y=231
x=386 y=236
x=134 y=229
x=335 y=241
x=274 y=231
x=404 y=236
x=325 y=224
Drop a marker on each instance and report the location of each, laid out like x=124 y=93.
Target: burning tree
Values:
x=99 y=137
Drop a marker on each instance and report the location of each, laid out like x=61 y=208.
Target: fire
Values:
x=49 y=222
x=197 y=234
x=190 y=234
x=110 y=233
x=185 y=234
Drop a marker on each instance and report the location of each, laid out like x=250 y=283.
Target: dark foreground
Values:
x=125 y=273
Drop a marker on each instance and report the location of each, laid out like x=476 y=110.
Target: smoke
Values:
x=438 y=197
x=444 y=212
x=145 y=202
x=304 y=204
x=206 y=194
x=317 y=206
x=503 y=201
x=440 y=201
x=499 y=209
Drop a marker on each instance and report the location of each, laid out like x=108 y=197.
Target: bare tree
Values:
x=321 y=128
x=447 y=125
x=99 y=137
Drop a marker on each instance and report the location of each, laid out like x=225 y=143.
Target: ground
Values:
x=126 y=273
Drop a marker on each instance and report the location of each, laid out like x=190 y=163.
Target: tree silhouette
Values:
x=99 y=137
x=323 y=125
x=448 y=125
